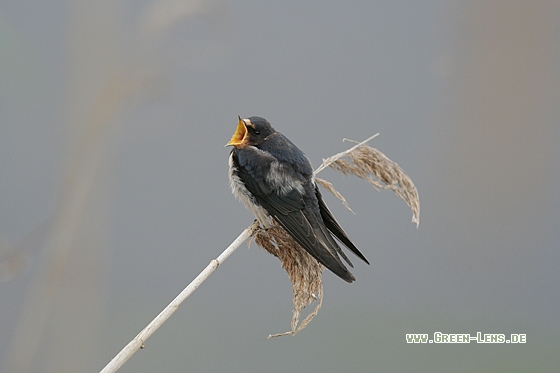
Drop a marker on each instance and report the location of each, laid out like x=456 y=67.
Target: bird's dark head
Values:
x=251 y=131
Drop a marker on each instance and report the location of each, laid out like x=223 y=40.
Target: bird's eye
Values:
x=257 y=132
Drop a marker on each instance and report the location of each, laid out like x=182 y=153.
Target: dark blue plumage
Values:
x=274 y=179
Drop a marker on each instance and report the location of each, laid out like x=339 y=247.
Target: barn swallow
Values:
x=274 y=180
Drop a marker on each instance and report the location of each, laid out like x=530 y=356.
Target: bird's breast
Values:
x=242 y=194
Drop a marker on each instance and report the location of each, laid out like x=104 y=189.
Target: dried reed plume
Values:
x=304 y=272
x=372 y=165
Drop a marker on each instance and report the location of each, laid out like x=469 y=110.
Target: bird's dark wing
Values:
x=307 y=230
x=335 y=228
x=289 y=209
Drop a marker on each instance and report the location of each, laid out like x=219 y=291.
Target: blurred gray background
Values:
x=114 y=191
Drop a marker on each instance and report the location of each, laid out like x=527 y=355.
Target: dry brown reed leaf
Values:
x=304 y=272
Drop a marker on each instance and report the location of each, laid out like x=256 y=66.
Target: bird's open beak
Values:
x=239 y=135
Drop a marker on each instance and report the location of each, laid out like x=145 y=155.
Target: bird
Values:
x=274 y=179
